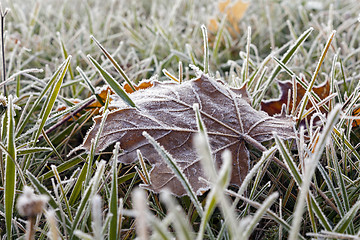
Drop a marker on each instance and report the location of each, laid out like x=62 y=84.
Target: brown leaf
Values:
x=165 y=111
x=273 y=107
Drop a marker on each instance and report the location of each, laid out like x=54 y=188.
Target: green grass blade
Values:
x=65 y=55
x=342 y=187
x=126 y=177
x=91 y=190
x=81 y=210
x=31 y=150
x=191 y=54
x=52 y=202
x=23 y=124
x=289 y=54
x=208 y=211
x=75 y=193
x=203 y=146
x=63 y=167
x=62 y=191
x=259 y=214
x=112 y=82
x=162 y=232
x=310 y=167
x=52 y=98
x=294 y=171
x=220 y=180
x=206 y=49
x=96 y=216
x=17 y=166
x=247 y=60
x=114 y=63
x=62 y=115
x=10 y=169
x=95 y=181
x=314 y=76
x=216 y=196
x=221 y=185
x=51 y=145
x=183 y=229
x=346 y=221
x=345 y=142
x=340 y=180
x=83 y=236
x=266 y=156
x=332 y=190
x=94 y=142
x=288 y=160
x=319 y=213
x=257 y=169
x=113 y=208
x=257 y=205
x=88 y=82
x=143 y=167
x=106 y=224
x=199 y=122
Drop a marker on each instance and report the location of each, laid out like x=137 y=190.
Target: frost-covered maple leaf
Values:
x=165 y=111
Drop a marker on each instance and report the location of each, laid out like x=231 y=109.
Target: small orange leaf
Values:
x=142 y=85
x=102 y=93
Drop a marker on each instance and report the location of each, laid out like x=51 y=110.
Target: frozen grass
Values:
x=314 y=193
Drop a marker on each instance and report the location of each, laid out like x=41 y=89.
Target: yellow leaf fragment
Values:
x=234 y=11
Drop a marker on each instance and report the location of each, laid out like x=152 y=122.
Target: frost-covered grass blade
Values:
x=10 y=169
x=112 y=82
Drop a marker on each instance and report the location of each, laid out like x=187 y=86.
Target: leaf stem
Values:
x=30 y=228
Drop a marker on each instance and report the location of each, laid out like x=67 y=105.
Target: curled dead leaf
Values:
x=274 y=106
x=166 y=113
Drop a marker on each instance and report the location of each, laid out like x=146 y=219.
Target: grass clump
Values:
x=49 y=84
